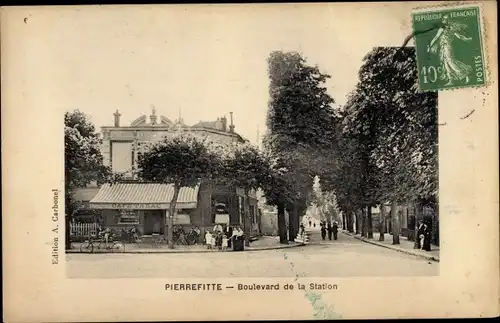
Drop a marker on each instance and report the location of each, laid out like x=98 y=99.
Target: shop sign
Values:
x=131 y=206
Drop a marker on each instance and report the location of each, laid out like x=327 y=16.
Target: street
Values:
x=346 y=257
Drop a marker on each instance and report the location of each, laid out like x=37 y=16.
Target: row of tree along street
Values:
x=380 y=147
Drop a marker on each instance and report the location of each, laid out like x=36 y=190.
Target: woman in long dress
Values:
x=442 y=43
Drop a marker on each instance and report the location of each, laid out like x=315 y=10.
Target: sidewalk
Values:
x=405 y=246
x=263 y=243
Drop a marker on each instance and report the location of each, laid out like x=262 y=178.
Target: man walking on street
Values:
x=329 y=231
x=323 y=230
x=335 y=230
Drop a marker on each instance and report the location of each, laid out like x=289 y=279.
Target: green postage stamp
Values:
x=449 y=47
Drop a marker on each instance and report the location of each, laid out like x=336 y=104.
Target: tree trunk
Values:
x=344 y=221
x=292 y=222
x=170 y=217
x=350 y=222
x=282 y=223
x=246 y=218
x=358 y=221
x=418 y=218
x=297 y=222
x=370 y=222
x=395 y=223
x=363 y=223
x=381 y=223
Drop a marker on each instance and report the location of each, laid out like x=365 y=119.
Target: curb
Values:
x=188 y=251
x=409 y=252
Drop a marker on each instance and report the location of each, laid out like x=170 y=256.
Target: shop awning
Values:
x=143 y=196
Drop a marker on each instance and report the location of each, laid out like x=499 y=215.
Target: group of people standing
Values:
x=331 y=228
x=222 y=236
x=423 y=236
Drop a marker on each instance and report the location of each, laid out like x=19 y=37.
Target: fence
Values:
x=82 y=230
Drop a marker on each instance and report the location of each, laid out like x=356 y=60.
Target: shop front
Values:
x=143 y=206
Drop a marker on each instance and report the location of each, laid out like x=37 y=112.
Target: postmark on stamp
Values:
x=449 y=47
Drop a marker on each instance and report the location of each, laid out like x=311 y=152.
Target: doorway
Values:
x=154 y=222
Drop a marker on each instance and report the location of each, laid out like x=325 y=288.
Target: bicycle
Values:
x=192 y=238
x=89 y=245
x=158 y=239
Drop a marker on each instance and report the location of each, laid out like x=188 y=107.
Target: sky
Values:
x=203 y=61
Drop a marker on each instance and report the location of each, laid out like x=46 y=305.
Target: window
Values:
x=121 y=156
x=220 y=208
x=128 y=217
x=182 y=217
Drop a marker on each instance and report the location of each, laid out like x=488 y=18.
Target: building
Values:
x=145 y=205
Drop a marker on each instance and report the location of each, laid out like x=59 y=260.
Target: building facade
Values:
x=145 y=205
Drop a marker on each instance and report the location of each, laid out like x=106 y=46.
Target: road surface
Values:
x=346 y=257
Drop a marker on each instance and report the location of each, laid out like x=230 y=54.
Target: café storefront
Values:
x=144 y=206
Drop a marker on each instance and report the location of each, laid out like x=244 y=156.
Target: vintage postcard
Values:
x=250 y=162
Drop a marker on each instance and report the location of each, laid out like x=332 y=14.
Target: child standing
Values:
x=224 y=242
x=213 y=241
x=208 y=239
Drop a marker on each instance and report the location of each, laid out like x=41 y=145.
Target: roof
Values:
x=207 y=124
x=152 y=196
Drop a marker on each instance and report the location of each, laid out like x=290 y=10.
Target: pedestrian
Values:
x=310 y=223
x=208 y=240
x=335 y=230
x=302 y=231
x=329 y=228
x=224 y=242
x=427 y=238
x=314 y=224
x=420 y=235
x=323 y=231
x=197 y=232
x=230 y=235
x=213 y=241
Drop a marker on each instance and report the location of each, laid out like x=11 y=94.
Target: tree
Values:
x=391 y=129
x=406 y=150
x=83 y=161
x=277 y=192
x=247 y=168
x=182 y=160
x=344 y=176
x=300 y=124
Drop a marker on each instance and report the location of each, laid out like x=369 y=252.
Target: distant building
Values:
x=145 y=205
x=268 y=221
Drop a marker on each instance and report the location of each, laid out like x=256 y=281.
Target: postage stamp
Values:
x=449 y=47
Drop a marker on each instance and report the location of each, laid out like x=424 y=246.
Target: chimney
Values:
x=153 y=115
x=224 y=123
x=231 y=126
x=117 y=118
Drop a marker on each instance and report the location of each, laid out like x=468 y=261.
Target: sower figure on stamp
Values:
x=442 y=43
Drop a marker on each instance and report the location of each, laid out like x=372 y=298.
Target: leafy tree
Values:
x=278 y=191
x=83 y=161
x=394 y=129
x=244 y=166
x=182 y=160
x=300 y=125
x=345 y=176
